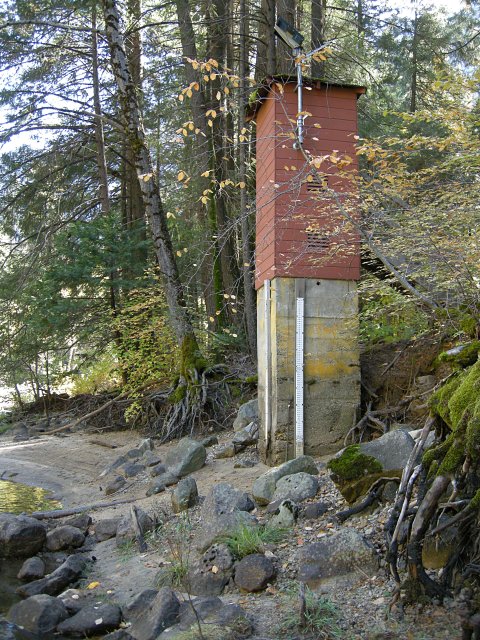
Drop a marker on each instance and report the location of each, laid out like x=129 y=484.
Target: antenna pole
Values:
x=297 y=53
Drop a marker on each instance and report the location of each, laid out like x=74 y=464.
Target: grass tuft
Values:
x=245 y=540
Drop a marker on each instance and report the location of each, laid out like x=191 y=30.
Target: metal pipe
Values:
x=298 y=54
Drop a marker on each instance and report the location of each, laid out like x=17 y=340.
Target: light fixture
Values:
x=290 y=36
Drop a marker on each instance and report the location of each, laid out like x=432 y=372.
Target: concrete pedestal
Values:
x=331 y=366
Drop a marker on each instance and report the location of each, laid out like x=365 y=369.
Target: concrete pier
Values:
x=331 y=366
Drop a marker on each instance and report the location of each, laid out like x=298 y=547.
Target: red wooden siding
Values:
x=300 y=231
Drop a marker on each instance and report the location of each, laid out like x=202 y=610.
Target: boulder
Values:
x=134 y=454
x=115 y=485
x=126 y=531
x=32 y=569
x=92 y=620
x=39 y=614
x=132 y=469
x=106 y=529
x=265 y=485
x=225 y=498
x=119 y=634
x=161 y=483
x=209 y=441
x=74 y=600
x=313 y=510
x=20 y=536
x=336 y=559
x=297 y=487
x=285 y=515
x=208 y=575
x=188 y=456
x=218 y=526
x=161 y=613
x=82 y=522
x=246 y=436
x=146 y=445
x=115 y=464
x=227 y=450
x=139 y=603
x=221 y=622
x=247 y=413
x=185 y=495
x=55 y=582
x=158 y=469
x=9 y=631
x=254 y=572
x=150 y=459
x=392 y=450
x=64 y=537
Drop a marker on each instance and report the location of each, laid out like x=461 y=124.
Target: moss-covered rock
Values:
x=457 y=403
x=352 y=491
x=462 y=356
x=354 y=472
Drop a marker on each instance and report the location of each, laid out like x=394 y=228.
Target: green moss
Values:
x=251 y=379
x=475 y=501
x=465 y=358
x=352 y=464
x=352 y=491
x=439 y=401
x=453 y=458
x=178 y=394
x=434 y=454
x=191 y=357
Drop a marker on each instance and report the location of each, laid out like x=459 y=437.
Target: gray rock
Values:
x=210 y=573
x=119 y=634
x=151 y=459
x=158 y=469
x=244 y=464
x=57 y=581
x=218 y=526
x=82 y=522
x=39 y=614
x=9 y=631
x=389 y=492
x=188 y=456
x=313 y=511
x=115 y=485
x=254 y=572
x=161 y=483
x=132 y=469
x=264 y=486
x=297 y=487
x=392 y=450
x=115 y=465
x=209 y=441
x=139 y=604
x=74 y=600
x=32 y=569
x=92 y=620
x=247 y=413
x=345 y=554
x=285 y=515
x=225 y=498
x=246 y=436
x=20 y=536
x=134 y=454
x=227 y=450
x=146 y=445
x=126 y=530
x=185 y=495
x=161 y=613
x=228 y=622
x=106 y=529
x=64 y=537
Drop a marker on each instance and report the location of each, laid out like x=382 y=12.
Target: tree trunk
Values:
x=247 y=273
x=318 y=35
x=285 y=62
x=413 y=87
x=266 y=58
x=135 y=136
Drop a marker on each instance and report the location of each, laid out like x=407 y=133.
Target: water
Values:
x=20 y=498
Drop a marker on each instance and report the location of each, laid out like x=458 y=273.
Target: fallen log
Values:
x=64 y=513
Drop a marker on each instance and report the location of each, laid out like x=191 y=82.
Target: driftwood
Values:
x=64 y=513
x=103 y=444
x=142 y=545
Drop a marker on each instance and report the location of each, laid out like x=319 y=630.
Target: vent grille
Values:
x=317 y=185
x=317 y=242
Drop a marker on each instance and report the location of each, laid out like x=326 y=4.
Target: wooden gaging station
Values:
x=307 y=265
